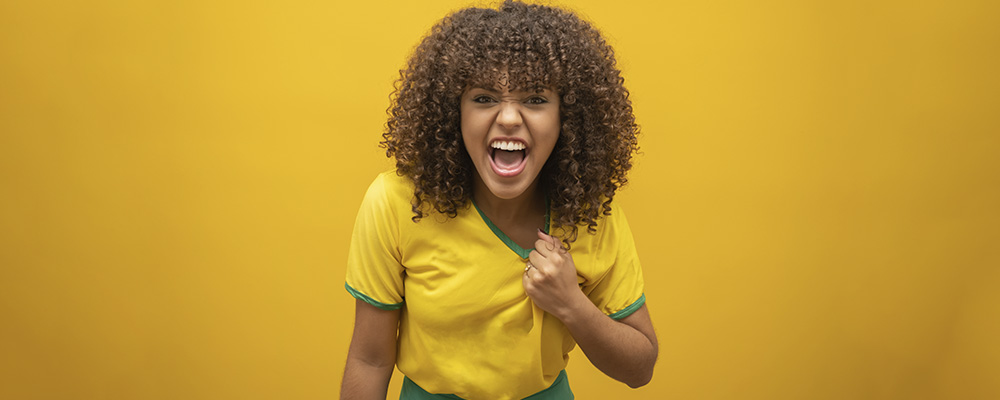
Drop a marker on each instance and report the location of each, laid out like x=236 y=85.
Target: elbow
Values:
x=639 y=381
x=640 y=377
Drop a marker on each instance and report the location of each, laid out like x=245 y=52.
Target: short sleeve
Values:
x=619 y=291
x=374 y=271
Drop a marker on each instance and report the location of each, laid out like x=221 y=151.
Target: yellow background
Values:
x=817 y=204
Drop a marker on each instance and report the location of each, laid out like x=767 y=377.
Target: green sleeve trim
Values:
x=630 y=309
x=363 y=297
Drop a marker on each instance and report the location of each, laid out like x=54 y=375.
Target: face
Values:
x=509 y=136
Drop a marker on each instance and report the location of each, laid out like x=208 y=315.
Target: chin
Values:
x=510 y=188
x=506 y=192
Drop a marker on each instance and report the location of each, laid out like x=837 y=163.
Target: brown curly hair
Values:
x=539 y=46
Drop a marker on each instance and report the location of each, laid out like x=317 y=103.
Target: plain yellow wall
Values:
x=817 y=204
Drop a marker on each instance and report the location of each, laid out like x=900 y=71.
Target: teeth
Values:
x=507 y=145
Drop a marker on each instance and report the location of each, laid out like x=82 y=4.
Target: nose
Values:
x=510 y=115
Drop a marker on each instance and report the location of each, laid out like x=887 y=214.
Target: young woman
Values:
x=493 y=248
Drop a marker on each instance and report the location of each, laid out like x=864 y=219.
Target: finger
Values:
x=538 y=260
x=530 y=273
x=542 y=235
x=542 y=248
x=556 y=243
x=550 y=242
x=551 y=256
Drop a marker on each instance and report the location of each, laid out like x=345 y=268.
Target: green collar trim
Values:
x=520 y=251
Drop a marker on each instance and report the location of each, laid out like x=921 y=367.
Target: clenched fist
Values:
x=550 y=278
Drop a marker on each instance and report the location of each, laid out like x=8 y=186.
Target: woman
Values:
x=511 y=130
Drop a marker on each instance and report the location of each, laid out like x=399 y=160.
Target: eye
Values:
x=536 y=100
x=482 y=99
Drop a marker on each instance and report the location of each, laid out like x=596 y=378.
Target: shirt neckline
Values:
x=517 y=249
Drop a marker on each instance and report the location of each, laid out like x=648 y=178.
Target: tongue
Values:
x=508 y=159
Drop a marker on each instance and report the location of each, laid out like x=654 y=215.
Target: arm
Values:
x=372 y=355
x=625 y=350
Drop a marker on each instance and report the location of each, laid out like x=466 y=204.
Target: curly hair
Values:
x=539 y=46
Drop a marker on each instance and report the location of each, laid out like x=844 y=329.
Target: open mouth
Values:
x=508 y=157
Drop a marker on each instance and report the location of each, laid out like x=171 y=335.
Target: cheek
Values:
x=473 y=133
x=475 y=124
x=552 y=128
x=467 y=127
x=471 y=147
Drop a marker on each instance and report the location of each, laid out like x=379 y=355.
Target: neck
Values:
x=522 y=207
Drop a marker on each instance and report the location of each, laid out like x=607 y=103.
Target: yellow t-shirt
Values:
x=467 y=327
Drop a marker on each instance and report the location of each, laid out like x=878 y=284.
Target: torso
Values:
x=467 y=326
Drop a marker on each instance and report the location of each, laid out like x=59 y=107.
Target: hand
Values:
x=550 y=279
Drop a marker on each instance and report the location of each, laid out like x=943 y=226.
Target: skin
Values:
x=514 y=204
x=372 y=355
x=625 y=350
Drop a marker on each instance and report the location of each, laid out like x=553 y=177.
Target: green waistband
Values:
x=558 y=391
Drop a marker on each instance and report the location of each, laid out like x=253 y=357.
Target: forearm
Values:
x=364 y=381
x=624 y=350
x=616 y=348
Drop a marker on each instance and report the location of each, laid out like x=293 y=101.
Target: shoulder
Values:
x=390 y=188
x=611 y=236
x=388 y=197
x=606 y=252
x=613 y=222
x=616 y=218
x=614 y=228
x=391 y=181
